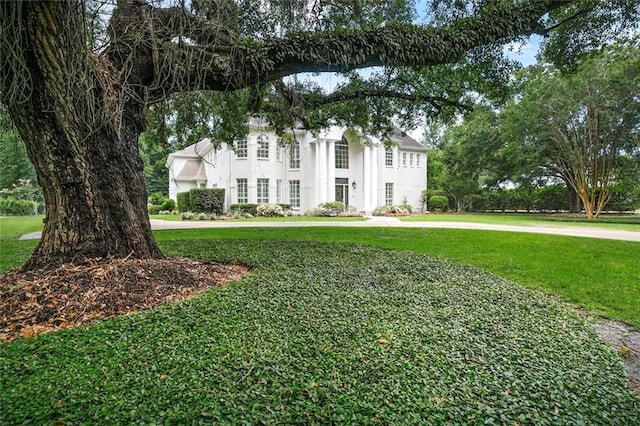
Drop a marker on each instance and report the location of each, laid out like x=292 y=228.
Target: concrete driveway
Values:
x=380 y=221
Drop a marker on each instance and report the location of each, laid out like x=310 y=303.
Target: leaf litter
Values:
x=74 y=294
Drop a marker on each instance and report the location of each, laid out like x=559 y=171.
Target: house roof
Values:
x=192 y=170
x=405 y=141
x=197 y=150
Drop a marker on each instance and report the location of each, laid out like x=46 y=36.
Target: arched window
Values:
x=342 y=154
x=263 y=147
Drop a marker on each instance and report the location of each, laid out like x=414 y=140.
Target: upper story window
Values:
x=241 y=148
x=404 y=159
x=411 y=159
x=388 y=156
x=417 y=160
x=294 y=156
x=342 y=154
x=263 y=147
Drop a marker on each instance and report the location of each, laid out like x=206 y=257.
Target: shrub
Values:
x=246 y=208
x=186 y=216
x=157 y=198
x=184 y=202
x=203 y=216
x=153 y=209
x=14 y=207
x=168 y=205
x=438 y=203
x=390 y=211
x=207 y=200
x=328 y=209
x=405 y=205
x=270 y=210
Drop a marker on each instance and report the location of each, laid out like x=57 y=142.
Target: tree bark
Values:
x=83 y=144
x=574 y=200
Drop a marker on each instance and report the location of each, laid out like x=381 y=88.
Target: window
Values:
x=294 y=156
x=294 y=193
x=263 y=147
x=243 y=196
x=388 y=157
x=342 y=154
x=263 y=191
x=388 y=193
x=278 y=152
x=241 y=148
x=404 y=159
x=411 y=159
x=278 y=191
x=417 y=160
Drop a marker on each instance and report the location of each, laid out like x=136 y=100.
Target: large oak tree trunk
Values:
x=82 y=139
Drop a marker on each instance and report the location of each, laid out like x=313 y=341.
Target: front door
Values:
x=342 y=191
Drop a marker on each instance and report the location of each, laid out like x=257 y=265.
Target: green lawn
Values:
x=601 y=276
x=12 y=227
x=324 y=333
x=622 y=222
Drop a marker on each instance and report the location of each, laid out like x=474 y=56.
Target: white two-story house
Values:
x=363 y=174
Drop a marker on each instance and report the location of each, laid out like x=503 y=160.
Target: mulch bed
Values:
x=74 y=294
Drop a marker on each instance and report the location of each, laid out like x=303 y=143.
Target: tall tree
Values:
x=580 y=125
x=79 y=100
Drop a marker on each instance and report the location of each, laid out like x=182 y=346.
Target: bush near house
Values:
x=202 y=200
x=390 y=211
x=438 y=203
x=244 y=208
x=207 y=200
x=184 y=202
x=327 y=209
x=271 y=210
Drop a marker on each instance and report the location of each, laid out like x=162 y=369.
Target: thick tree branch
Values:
x=250 y=63
x=311 y=101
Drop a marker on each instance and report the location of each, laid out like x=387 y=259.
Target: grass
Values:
x=601 y=276
x=626 y=222
x=12 y=227
x=324 y=333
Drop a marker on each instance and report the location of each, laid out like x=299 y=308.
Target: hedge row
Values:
x=14 y=207
x=203 y=200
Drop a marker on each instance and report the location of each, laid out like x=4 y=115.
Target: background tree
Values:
x=14 y=162
x=80 y=99
x=581 y=125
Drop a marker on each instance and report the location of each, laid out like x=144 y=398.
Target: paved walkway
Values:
x=380 y=221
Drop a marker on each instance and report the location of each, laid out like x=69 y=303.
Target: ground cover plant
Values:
x=601 y=276
x=323 y=333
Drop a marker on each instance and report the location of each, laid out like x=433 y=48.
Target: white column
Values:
x=331 y=171
x=322 y=170
x=374 y=178
x=316 y=172
x=366 y=180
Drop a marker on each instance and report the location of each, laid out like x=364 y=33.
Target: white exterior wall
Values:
x=317 y=173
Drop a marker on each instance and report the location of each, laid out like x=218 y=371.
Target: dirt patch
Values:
x=626 y=341
x=74 y=294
